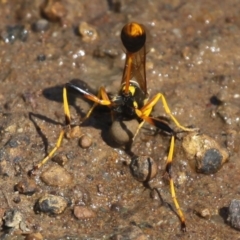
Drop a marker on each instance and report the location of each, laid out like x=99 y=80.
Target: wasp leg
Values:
x=138 y=129
x=61 y=135
x=142 y=115
x=151 y=103
x=159 y=124
x=155 y=122
x=102 y=99
x=146 y=110
x=172 y=188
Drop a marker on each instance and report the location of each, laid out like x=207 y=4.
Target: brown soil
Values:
x=193 y=59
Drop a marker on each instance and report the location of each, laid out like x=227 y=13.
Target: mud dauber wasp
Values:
x=132 y=101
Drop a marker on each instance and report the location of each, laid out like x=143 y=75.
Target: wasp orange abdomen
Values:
x=133 y=37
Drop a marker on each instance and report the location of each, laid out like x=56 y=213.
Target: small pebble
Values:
x=56 y=176
x=13 y=33
x=41 y=58
x=233 y=141
x=12 y=218
x=13 y=143
x=202 y=211
x=143 y=168
x=116 y=207
x=206 y=154
x=122 y=132
x=81 y=212
x=60 y=159
x=85 y=141
x=18 y=140
x=205 y=213
x=53 y=10
x=26 y=186
x=223 y=95
x=234 y=214
x=51 y=204
x=100 y=188
x=23 y=226
x=17 y=199
x=74 y=132
x=41 y=25
x=88 y=32
x=230 y=114
x=34 y=236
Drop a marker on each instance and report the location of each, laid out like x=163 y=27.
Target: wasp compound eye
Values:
x=133 y=37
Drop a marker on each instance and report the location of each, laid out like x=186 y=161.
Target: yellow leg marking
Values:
x=172 y=188
x=171 y=149
x=102 y=99
x=151 y=103
x=142 y=115
x=66 y=107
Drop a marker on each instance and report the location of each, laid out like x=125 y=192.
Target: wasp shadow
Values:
x=224 y=213
x=154 y=191
x=101 y=115
x=56 y=94
x=32 y=117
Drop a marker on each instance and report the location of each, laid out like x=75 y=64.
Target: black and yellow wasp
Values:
x=132 y=101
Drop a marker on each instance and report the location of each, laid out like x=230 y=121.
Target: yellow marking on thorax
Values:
x=132 y=90
x=135 y=104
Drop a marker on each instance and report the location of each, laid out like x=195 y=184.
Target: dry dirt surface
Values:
x=88 y=190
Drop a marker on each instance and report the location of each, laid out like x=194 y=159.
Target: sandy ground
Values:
x=193 y=59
